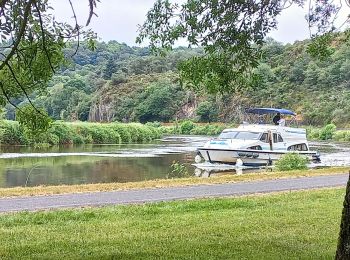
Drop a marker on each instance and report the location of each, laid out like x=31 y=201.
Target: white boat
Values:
x=257 y=144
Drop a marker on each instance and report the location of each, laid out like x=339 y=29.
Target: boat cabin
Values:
x=262 y=136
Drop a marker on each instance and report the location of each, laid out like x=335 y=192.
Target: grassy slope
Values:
x=293 y=225
x=47 y=190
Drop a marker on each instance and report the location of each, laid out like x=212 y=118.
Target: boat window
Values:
x=277 y=138
x=247 y=135
x=274 y=137
x=228 y=135
x=280 y=139
x=256 y=147
x=239 y=135
x=264 y=138
x=298 y=147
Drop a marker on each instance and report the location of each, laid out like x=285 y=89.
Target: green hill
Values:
x=121 y=83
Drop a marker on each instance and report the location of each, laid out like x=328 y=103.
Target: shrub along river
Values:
x=25 y=166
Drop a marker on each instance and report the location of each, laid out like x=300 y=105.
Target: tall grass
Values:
x=11 y=133
x=190 y=128
x=328 y=132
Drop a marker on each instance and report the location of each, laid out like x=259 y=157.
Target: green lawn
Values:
x=295 y=225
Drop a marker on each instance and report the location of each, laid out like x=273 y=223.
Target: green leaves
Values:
x=34 y=50
x=292 y=161
x=217 y=72
x=231 y=33
x=34 y=121
x=159 y=102
x=320 y=47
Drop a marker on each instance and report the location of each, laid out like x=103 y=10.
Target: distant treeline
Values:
x=129 y=84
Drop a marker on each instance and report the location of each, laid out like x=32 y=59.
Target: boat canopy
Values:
x=263 y=111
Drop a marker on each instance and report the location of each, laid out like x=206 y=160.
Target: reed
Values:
x=12 y=133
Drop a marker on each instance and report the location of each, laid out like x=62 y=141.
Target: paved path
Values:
x=168 y=194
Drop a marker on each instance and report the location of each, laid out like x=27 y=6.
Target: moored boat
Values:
x=257 y=143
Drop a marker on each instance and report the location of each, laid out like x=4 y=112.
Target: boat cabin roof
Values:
x=289 y=134
x=264 y=111
x=262 y=115
x=264 y=128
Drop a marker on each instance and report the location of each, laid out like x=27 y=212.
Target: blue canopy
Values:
x=262 y=111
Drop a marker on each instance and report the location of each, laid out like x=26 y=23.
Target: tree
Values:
x=31 y=48
x=232 y=33
x=207 y=112
x=109 y=69
x=159 y=103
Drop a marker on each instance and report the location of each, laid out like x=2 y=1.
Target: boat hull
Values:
x=249 y=157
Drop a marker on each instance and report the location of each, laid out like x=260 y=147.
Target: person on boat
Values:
x=276 y=118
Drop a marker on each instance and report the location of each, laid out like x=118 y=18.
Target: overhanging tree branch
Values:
x=20 y=34
x=43 y=35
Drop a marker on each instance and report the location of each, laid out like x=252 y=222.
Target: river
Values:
x=25 y=166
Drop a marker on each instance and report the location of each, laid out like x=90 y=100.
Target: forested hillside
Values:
x=121 y=83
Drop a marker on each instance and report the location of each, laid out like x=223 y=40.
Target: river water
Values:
x=24 y=166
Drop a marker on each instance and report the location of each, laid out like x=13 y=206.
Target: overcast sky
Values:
x=118 y=19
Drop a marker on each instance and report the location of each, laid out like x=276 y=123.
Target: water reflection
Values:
x=79 y=169
x=23 y=166
x=206 y=170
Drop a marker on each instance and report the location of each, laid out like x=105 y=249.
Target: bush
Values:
x=12 y=133
x=207 y=130
x=52 y=139
x=135 y=133
x=178 y=170
x=186 y=127
x=145 y=133
x=154 y=124
x=94 y=133
x=124 y=133
x=340 y=136
x=156 y=133
x=63 y=132
x=118 y=78
x=291 y=161
x=207 y=112
x=313 y=133
x=327 y=132
x=166 y=130
x=347 y=136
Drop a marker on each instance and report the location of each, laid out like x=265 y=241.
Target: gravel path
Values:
x=168 y=194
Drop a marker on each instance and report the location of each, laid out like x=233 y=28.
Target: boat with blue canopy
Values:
x=258 y=143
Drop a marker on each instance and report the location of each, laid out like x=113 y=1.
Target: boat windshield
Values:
x=239 y=135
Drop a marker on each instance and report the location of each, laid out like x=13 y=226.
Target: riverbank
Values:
x=63 y=133
x=286 y=225
x=268 y=175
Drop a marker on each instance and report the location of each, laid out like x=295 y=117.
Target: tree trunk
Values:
x=343 y=250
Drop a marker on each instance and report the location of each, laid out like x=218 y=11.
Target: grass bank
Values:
x=293 y=225
x=49 y=190
x=188 y=127
x=12 y=133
